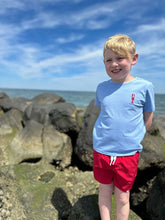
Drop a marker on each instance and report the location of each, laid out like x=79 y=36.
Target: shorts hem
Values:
x=108 y=183
x=103 y=182
x=123 y=190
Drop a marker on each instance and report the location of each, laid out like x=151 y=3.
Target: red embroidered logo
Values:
x=133 y=98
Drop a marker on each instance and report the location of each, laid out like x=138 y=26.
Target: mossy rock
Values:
x=49 y=194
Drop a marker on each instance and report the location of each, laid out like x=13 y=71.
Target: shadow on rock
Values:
x=61 y=203
x=86 y=208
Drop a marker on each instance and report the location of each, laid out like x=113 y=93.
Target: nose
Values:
x=114 y=63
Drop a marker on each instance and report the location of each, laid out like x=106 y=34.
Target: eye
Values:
x=120 y=58
x=109 y=60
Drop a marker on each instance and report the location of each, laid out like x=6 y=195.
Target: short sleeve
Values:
x=149 y=105
x=97 y=102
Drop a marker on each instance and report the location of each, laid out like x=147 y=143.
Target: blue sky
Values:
x=57 y=44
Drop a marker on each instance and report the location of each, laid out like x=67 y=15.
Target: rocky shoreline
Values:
x=46 y=162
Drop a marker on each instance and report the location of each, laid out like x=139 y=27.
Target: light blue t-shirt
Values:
x=120 y=127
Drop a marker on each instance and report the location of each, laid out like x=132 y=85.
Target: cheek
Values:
x=107 y=67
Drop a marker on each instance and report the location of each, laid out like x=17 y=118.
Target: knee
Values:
x=122 y=198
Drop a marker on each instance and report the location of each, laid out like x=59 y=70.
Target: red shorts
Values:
x=121 y=172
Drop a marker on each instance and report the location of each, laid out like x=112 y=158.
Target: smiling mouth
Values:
x=116 y=71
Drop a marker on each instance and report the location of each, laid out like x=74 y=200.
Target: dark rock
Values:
x=38 y=113
x=64 y=118
x=61 y=203
x=152 y=161
x=82 y=211
x=153 y=153
x=84 y=145
x=40 y=107
x=156 y=199
x=16 y=103
x=46 y=177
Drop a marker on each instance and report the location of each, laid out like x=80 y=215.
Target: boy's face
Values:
x=118 y=67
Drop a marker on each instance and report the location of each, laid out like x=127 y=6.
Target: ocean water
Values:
x=79 y=99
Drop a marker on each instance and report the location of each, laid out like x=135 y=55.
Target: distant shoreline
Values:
x=80 y=99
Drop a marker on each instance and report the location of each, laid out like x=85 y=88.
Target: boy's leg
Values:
x=122 y=204
x=105 y=195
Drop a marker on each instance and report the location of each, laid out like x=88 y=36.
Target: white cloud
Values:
x=64 y=62
x=159 y=26
x=152 y=47
x=97 y=16
x=151 y=38
x=87 y=81
x=42 y=20
x=11 y=4
x=69 y=39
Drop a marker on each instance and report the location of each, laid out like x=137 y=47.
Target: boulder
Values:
x=64 y=118
x=27 y=144
x=40 y=107
x=3 y=95
x=12 y=120
x=18 y=103
x=57 y=147
x=10 y=125
x=38 y=113
x=153 y=153
x=151 y=162
x=36 y=142
x=156 y=199
x=47 y=98
x=84 y=145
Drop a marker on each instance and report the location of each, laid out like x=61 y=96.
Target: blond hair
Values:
x=121 y=45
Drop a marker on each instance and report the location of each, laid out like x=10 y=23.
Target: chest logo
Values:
x=132 y=98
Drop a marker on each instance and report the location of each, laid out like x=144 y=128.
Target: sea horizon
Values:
x=78 y=98
x=61 y=90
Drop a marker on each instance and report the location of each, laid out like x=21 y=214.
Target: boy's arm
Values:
x=148 y=116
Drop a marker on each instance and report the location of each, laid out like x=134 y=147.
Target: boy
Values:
x=127 y=105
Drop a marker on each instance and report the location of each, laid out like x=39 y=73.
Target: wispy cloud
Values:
x=97 y=16
x=151 y=37
x=158 y=26
x=70 y=38
x=6 y=6
x=71 y=49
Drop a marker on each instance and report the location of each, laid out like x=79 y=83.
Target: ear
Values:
x=135 y=58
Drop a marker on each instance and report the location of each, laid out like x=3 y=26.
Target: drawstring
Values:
x=113 y=159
